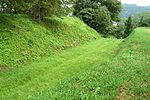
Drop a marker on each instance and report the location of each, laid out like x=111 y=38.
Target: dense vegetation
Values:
x=142 y=19
x=98 y=14
x=22 y=40
x=54 y=49
x=123 y=78
x=129 y=27
x=144 y=22
x=36 y=8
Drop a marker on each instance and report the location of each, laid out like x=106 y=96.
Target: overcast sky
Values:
x=138 y=2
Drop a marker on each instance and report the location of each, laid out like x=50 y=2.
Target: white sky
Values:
x=138 y=2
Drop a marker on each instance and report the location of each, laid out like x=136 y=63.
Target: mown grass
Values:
x=23 y=40
x=126 y=77
x=21 y=83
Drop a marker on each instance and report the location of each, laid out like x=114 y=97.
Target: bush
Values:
x=120 y=31
x=129 y=27
x=144 y=22
x=142 y=19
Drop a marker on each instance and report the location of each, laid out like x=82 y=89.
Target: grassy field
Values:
x=21 y=83
x=64 y=59
x=23 y=40
x=125 y=77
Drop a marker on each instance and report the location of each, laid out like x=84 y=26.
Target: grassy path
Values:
x=125 y=77
x=22 y=82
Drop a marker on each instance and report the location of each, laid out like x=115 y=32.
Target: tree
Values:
x=42 y=8
x=113 y=6
x=97 y=14
x=36 y=8
x=98 y=19
x=144 y=22
x=12 y=6
x=141 y=21
x=67 y=6
x=120 y=31
x=5 y=6
x=129 y=26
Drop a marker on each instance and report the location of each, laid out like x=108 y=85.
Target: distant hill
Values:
x=131 y=9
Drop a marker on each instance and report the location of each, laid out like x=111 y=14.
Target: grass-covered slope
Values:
x=23 y=40
x=22 y=83
x=126 y=77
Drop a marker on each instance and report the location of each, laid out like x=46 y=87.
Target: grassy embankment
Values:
x=126 y=77
x=24 y=41
x=85 y=72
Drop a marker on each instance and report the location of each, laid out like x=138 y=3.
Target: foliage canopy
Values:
x=98 y=14
x=36 y=8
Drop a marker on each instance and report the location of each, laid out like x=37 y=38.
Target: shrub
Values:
x=120 y=31
x=129 y=26
x=144 y=22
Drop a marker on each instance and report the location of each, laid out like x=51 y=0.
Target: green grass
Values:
x=23 y=40
x=47 y=61
x=21 y=83
x=125 y=77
